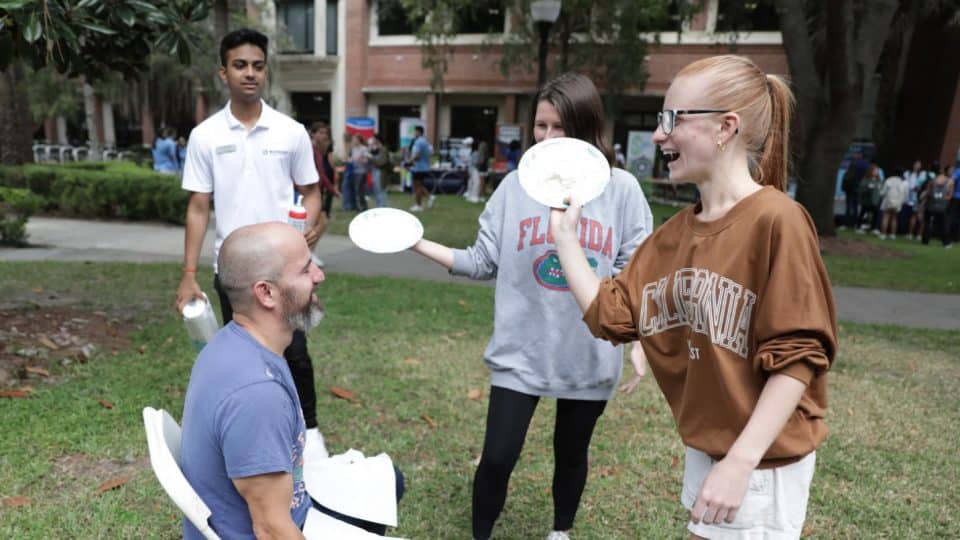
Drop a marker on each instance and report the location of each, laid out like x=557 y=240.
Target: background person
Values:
x=360 y=166
x=936 y=197
x=419 y=165
x=894 y=193
x=539 y=347
x=382 y=168
x=249 y=159
x=731 y=301
x=165 y=152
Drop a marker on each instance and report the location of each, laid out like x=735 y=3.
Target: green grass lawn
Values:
x=453 y=222
x=411 y=351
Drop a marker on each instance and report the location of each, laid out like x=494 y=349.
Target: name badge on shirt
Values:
x=226 y=149
x=275 y=152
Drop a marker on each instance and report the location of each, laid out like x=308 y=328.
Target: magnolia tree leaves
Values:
x=95 y=37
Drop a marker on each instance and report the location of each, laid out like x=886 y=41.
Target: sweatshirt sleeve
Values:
x=480 y=261
x=637 y=222
x=796 y=325
x=609 y=316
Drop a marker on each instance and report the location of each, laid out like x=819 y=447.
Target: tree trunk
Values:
x=147 y=130
x=16 y=128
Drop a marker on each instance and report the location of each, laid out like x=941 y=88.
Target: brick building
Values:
x=344 y=58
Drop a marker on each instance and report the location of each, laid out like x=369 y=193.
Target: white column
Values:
x=338 y=92
x=319 y=27
x=89 y=109
x=61 y=130
x=109 y=133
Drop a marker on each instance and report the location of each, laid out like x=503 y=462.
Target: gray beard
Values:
x=307 y=319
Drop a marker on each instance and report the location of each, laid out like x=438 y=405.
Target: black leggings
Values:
x=508 y=418
x=301 y=367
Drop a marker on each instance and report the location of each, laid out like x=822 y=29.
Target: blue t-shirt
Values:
x=241 y=418
x=165 y=156
x=422 y=151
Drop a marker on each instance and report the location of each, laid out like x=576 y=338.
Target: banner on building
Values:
x=361 y=125
x=640 y=154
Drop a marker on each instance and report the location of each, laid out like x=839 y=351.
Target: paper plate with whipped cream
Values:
x=385 y=230
x=552 y=170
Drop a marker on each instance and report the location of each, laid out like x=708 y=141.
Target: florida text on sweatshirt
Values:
x=719 y=307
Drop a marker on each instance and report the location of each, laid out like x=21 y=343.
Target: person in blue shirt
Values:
x=243 y=429
x=165 y=153
x=181 y=153
x=419 y=165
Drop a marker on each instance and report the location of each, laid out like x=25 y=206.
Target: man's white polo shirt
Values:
x=251 y=174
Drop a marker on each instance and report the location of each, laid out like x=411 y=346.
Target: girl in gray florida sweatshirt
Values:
x=540 y=345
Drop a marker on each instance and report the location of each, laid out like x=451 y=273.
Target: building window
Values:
x=392 y=19
x=296 y=17
x=332 y=27
x=750 y=16
x=482 y=17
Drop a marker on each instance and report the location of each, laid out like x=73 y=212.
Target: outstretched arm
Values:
x=437 y=253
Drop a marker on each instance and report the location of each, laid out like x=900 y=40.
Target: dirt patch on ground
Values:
x=854 y=247
x=84 y=467
x=36 y=340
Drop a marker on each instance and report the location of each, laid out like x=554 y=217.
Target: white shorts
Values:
x=774 y=507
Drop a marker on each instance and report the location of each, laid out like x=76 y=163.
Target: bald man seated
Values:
x=243 y=429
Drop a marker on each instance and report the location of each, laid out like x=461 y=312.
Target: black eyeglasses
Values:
x=668 y=117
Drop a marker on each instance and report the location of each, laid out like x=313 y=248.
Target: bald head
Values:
x=253 y=253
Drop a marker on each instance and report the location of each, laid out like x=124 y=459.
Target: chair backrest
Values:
x=163 y=442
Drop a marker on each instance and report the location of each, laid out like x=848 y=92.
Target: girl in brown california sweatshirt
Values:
x=731 y=302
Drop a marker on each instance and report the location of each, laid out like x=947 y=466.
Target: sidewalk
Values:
x=78 y=240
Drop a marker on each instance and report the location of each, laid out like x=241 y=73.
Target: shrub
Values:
x=102 y=190
x=16 y=207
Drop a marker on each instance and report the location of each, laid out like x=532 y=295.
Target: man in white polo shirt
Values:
x=250 y=159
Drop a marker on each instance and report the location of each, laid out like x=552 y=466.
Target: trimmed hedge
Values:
x=116 y=190
x=16 y=206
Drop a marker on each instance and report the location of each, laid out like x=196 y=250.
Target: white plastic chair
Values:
x=163 y=441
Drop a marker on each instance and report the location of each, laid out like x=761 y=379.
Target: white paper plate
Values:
x=555 y=168
x=385 y=230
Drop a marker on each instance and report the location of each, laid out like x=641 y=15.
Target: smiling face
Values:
x=245 y=73
x=546 y=122
x=691 y=147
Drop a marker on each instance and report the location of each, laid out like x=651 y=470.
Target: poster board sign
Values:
x=407 y=133
x=640 y=154
x=506 y=134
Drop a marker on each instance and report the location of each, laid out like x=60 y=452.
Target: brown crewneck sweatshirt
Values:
x=719 y=307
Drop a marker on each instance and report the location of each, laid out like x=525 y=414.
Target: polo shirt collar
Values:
x=265 y=120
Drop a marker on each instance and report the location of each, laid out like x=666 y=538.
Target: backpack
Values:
x=849 y=179
x=937 y=203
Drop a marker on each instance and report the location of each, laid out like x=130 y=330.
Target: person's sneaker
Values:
x=558 y=535
x=431 y=201
x=842 y=228
x=860 y=231
x=416 y=208
x=891 y=237
x=948 y=246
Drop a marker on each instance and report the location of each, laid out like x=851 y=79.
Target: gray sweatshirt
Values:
x=540 y=346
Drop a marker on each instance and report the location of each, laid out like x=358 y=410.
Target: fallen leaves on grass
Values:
x=412 y=362
x=104 y=403
x=475 y=393
x=13 y=502
x=430 y=421
x=111 y=484
x=343 y=393
x=47 y=342
x=675 y=462
x=38 y=371
x=606 y=472
x=16 y=393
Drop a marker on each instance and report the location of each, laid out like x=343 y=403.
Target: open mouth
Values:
x=670 y=155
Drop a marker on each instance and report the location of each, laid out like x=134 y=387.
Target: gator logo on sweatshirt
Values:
x=549 y=274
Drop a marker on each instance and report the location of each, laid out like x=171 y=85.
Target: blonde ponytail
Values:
x=775 y=158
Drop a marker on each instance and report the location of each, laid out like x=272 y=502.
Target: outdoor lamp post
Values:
x=544 y=14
